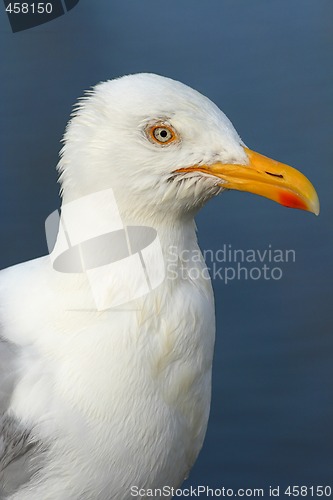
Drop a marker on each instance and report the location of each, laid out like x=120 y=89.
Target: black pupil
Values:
x=164 y=133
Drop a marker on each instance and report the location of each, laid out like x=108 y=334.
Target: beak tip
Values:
x=315 y=204
x=316 y=210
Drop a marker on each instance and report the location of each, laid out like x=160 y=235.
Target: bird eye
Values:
x=162 y=134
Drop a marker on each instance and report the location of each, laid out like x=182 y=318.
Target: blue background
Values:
x=268 y=65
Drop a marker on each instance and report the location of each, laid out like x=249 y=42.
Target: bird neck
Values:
x=93 y=215
x=95 y=231
x=122 y=254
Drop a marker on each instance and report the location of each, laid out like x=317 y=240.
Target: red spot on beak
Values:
x=292 y=201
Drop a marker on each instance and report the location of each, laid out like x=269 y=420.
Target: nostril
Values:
x=274 y=175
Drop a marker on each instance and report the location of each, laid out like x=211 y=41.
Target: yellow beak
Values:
x=265 y=177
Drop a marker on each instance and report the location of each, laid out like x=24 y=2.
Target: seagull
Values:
x=105 y=384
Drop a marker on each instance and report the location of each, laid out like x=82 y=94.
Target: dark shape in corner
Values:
x=25 y=15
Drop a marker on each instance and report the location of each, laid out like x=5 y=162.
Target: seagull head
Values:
x=165 y=149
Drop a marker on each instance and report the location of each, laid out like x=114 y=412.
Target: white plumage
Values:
x=120 y=397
